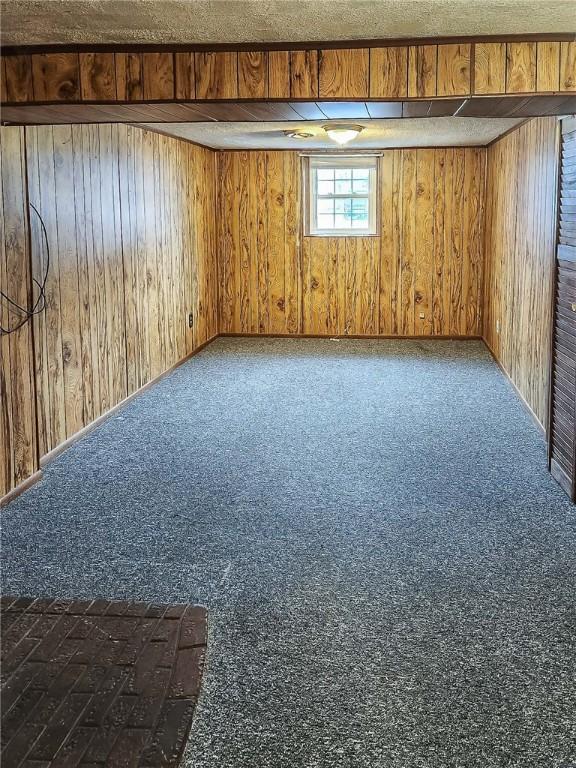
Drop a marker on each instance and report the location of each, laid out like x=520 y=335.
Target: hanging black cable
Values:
x=40 y=303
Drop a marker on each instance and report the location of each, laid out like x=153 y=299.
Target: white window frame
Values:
x=314 y=162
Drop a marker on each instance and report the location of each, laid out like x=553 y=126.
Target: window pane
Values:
x=360 y=207
x=341 y=198
x=325 y=205
x=343 y=186
x=342 y=221
x=325 y=221
x=325 y=187
x=360 y=214
x=360 y=186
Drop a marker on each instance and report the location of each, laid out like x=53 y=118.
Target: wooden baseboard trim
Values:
x=47 y=458
x=12 y=494
x=374 y=337
x=20 y=488
x=523 y=400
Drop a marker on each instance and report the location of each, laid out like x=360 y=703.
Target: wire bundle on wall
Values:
x=40 y=303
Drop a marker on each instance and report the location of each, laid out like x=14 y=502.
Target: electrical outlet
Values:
x=190 y=320
x=497 y=326
x=422 y=315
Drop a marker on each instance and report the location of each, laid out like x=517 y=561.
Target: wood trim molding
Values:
x=105 y=416
x=15 y=50
x=414 y=70
x=509 y=131
x=523 y=400
x=33 y=479
x=45 y=460
x=15 y=492
x=370 y=337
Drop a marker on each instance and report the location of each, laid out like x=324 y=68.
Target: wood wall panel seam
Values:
x=518 y=255
x=435 y=69
x=128 y=212
x=336 y=295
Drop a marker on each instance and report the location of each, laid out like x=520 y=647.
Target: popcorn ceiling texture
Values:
x=235 y=21
x=377 y=134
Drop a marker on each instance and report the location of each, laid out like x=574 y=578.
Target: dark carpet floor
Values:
x=389 y=568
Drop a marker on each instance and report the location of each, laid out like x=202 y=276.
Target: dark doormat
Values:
x=97 y=683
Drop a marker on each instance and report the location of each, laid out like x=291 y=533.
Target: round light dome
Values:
x=342 y=133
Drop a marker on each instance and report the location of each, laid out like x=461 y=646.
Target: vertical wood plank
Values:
x=568 y=66
x=245 y=276
x=388 y=259
x=85 y=307
x=424 y=253
x=253 y=74
x=388 y=72
x=226 y=245
x=408 y=255
x=158 y=73
x=448 y=216
x=548 y=66
x=454 y=70
x=489 y=68
x=422 y=69
x=438 y=322
x=456 y=233
x=18 y=452
x=276 y=266
x=474 y=220
x=292 y=224
x=304 y=74
x=97 y=76
x=129 y=77
x=520 y=67
x=38 y=266
x=46 y=204
x=185 y=84
x=344 y=73
x=56 y=76
x=279 y=74
x=216 y=75
x=17 y=72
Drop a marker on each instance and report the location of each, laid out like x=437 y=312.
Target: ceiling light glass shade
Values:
x=342 y=134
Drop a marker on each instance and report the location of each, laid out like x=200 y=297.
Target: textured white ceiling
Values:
x=236 y=21
x=378 y=134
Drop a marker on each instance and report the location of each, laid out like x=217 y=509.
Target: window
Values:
x=342 y=195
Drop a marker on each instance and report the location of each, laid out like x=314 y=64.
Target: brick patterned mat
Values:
x=96 y=683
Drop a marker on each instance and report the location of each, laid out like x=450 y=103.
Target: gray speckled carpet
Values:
x=389 y=568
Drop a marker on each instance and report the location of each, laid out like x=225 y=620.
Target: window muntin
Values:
x=342 y=196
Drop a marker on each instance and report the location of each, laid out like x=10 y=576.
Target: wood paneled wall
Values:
x=18 y=439
x=427 y=260
x=129 y=215
x=135 y=247
x=412 y=71
x=520 y=233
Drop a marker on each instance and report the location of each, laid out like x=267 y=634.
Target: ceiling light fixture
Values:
x=298 y=134
x=342 y=133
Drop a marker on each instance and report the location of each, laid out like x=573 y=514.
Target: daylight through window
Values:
x=342 y=195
